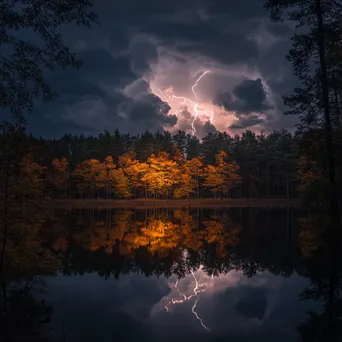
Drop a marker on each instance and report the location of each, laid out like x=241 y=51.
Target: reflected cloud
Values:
x=249 y=301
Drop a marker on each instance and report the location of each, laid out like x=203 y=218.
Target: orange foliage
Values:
x=159 y=233
x=161 y=176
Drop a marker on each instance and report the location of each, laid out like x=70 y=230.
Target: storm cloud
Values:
x=167 y=44
x=188 y=124
x=250 y=97
x=247 y=121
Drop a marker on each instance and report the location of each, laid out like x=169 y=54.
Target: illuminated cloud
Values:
x=249 y=302
x=132 y=308
x=168 y=46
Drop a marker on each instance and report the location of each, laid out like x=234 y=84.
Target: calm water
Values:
x=240 y=274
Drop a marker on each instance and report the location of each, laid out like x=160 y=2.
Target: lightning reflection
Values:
x=199 y=288
x=196 y=315
x=197 y=108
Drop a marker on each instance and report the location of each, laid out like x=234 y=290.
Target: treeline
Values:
x=161 y=165
x=165 y=242
x=161 y=176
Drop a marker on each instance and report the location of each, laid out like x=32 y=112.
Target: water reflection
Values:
x=154 y=241
x=24 y=260
x=321 y=246
x=199 y=274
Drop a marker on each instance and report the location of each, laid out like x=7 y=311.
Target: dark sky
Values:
x=145 y=52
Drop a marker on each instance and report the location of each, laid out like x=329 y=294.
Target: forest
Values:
x=161 y=165
x=164 y=166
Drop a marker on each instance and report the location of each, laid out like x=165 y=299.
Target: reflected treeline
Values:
x=23 y=316
x=165 y=242
x=160 y=242
x=321 y=243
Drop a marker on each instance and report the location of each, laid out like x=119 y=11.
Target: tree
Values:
x=213 y=179
x=180 y=141
x=185 y=186
x=267 y=163
x=221 y=177
x=135 y=171
x=23 y=67
x=161 y=175
x=60 y=175
x=120 y=184
x=319 y=21
x=86 y=175
x=194 y=168
x=106 y=175
x=25 y=209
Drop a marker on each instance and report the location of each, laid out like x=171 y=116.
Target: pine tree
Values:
x=317 y=20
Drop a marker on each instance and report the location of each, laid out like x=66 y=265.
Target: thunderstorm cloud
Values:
x=248 y=101
x=250 y=97
x=143 y=53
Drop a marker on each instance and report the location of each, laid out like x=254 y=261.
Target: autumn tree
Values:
x=106 y=175
x=30 y=182
x=86 y=177
x=161 y=175
x=112 y=179
x=134 y=171
x=194 y=168
x=185 y=185
x=59 y=176
x=221 y=177
x=137 y=172
x=121 y=186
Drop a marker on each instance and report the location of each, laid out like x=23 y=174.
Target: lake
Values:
x=234 y=274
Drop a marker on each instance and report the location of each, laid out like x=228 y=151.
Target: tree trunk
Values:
x=327 y=117
x=197 y=184
x=4 y=312
x=6 y=212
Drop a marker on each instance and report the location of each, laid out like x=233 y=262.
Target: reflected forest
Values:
x=114 y=243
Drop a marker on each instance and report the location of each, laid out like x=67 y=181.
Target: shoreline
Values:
x=174 y=203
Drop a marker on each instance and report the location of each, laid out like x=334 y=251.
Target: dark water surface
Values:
x=238 y=274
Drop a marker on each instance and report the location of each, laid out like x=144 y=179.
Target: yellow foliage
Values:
x=222 y=176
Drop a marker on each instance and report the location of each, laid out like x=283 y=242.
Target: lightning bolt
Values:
x=198 y=109
x=197 y=290
x=197 y=81
x=196 y=104
x=196 y=315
